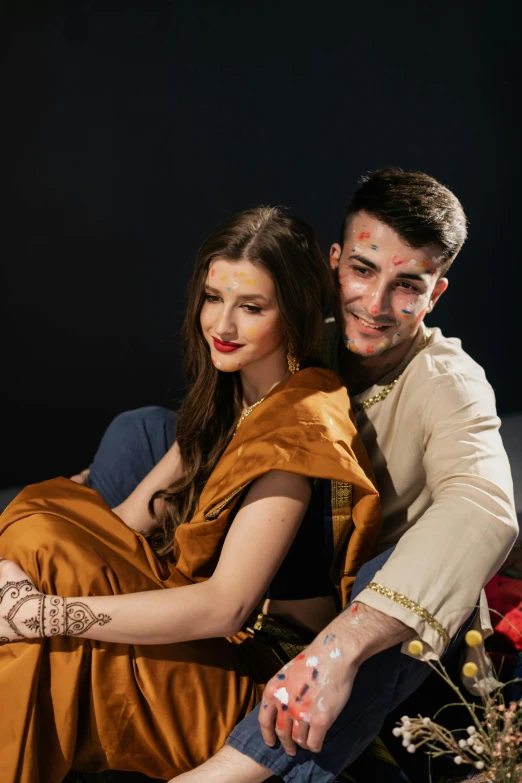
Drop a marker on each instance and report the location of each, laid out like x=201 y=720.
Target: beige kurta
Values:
x=445 y=487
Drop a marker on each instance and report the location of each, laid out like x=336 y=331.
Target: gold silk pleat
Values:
x=70 y=703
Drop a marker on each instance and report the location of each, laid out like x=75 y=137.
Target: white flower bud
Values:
x=478 y=749
x=411 y=748
x=463 y=744
x=479 y=764
x=407 y=736
x=426 y=721
x=406 y=724
x=471 y=741
x=404 y=718
x=458 y=759
x=397 y=732
x=471 y=730
x=405 y=743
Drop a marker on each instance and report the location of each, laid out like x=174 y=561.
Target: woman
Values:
x=135 y=638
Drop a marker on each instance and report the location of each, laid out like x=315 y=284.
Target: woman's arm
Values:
x=254 y=548
x=134 y=511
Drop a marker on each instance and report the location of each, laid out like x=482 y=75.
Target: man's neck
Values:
x=362 y=373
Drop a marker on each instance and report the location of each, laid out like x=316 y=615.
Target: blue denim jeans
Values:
x=133 y=443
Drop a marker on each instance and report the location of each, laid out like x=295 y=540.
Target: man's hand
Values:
x=82 y=477
x=307 y=695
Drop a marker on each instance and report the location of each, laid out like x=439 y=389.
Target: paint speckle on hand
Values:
x=315 y=674
x=281 y=676
x=321 y=705
x=305 y=716
x=284 y=707
x=335 y=654
x=329 y=638
x=303 y=691
x=281 y=694
x=312 y=661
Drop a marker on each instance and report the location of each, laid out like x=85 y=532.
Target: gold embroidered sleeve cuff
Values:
x=394 y=604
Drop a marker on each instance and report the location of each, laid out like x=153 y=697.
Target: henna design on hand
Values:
x=13 y=590
x=79 y=618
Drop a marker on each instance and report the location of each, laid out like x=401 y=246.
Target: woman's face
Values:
x=240 y=317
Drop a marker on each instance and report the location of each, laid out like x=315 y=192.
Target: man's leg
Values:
x=382 y=683
x=133 y=443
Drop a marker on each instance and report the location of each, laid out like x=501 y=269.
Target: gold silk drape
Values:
x=70 y=703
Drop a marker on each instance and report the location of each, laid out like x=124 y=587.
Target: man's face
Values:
x=387 y=287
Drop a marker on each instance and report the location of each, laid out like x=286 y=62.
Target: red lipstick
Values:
x=225 y=347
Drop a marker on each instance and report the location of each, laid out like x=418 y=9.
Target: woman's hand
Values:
x=25 y=613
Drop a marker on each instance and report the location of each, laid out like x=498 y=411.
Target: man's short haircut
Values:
x=417 y=207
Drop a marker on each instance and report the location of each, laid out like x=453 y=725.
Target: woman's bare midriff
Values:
x=311 y=613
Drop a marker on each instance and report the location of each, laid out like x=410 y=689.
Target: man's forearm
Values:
x=364 y=631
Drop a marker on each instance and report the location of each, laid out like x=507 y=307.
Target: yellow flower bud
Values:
x=473 y=638
x=470 y=669
x=415 y=647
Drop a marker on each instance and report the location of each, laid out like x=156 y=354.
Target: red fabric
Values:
x=504 y=596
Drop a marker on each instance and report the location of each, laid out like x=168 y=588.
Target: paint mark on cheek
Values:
x=370 y=349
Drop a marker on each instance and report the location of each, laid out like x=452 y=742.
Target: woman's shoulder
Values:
x=314 y=400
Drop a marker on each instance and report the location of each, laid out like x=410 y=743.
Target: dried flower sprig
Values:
x=491 y=744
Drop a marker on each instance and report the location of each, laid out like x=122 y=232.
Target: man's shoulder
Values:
x=445 y=370
x=446 y=356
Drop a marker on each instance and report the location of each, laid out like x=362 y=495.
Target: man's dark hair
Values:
x=417 y=207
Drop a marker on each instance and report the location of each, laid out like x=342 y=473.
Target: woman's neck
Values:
x=258 y=380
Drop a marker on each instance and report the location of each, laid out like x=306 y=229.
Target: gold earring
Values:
x=293 y=364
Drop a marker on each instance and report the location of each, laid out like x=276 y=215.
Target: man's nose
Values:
x=378 y=300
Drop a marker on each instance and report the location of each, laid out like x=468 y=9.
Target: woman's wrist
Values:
x=34 y=615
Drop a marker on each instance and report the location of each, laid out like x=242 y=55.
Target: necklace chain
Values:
x=365 y=404
x=247 y=411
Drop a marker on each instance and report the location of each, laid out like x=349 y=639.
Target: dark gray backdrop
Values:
x=130 y=130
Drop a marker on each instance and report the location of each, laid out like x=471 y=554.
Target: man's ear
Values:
x=437 y=292
x=335 y=255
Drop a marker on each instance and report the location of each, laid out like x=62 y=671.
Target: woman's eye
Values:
x=211 y=298
x=252 y=308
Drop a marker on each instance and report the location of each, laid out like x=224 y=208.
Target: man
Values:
x=427 y=417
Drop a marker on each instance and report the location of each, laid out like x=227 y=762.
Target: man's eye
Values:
x=408 y=286
x=361 y=270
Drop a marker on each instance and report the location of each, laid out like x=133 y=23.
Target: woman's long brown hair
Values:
x=287 y=249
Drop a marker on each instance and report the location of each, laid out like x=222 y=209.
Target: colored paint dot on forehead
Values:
x=212 y=272
x=374 y=247
x=251 y=282
x=223 y=278
x=364 y=235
